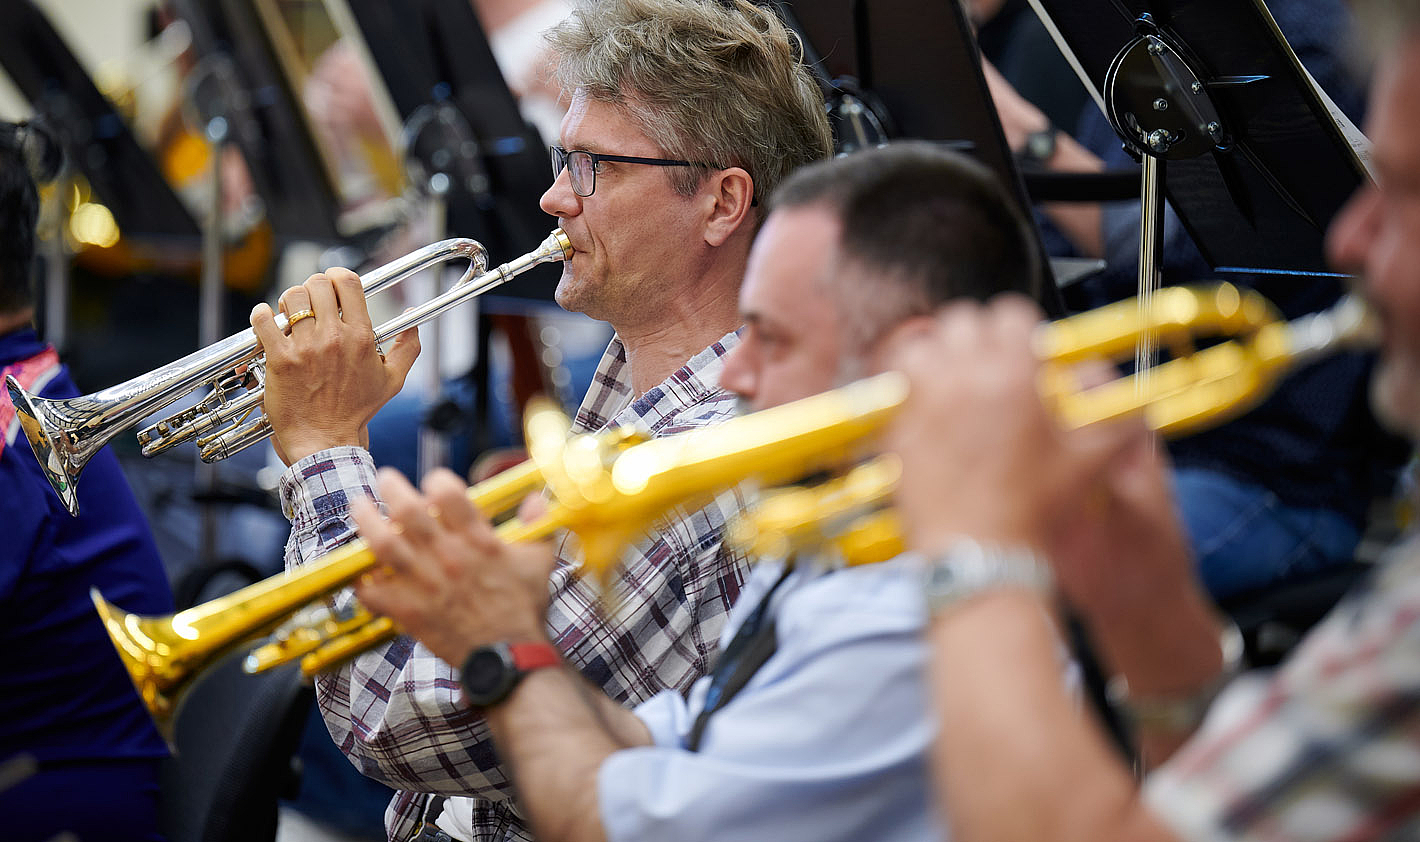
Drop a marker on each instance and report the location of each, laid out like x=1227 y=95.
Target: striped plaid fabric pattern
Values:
x=397 y=713
x=1328 y=748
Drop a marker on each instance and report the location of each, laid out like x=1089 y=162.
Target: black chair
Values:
x=236 y=740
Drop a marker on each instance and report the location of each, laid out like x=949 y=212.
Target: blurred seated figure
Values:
x=67 y=708
x=811 y=724
x=1325 y=748
x=1017 y=44
x=1284 y=492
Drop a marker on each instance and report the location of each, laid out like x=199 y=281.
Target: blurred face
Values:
x=792 y=345
x=1377 y=236
x=632 y=233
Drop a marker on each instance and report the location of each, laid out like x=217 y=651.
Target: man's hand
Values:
x=325 y=379
x=1018 y=116
x=1121 y=549
x=445 y=577
x=982 y=455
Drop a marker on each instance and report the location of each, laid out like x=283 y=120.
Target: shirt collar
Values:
x=19 y=345
x=609 y=400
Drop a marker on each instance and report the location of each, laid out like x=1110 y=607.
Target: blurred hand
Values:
x=324 y=379
x=445 y=577
x=1121 y=547
x=1019 y=117
x=982 y=456
x=337 y=95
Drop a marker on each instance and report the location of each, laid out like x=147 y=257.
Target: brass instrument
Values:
x=163 y=655
x=607 y=488
x=66 y=433
x=848 y=516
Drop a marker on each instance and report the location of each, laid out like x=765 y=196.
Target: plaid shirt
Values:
x=397 y=713
x=1326 y=749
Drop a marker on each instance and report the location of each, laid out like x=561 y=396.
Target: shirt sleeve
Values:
x=1323 y=750
x=397 y=712
x=827 y=741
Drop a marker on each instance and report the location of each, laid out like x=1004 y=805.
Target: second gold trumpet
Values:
x=849 y=517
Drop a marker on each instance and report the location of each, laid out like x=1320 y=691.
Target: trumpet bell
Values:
x=60 y=457
x=155 y=657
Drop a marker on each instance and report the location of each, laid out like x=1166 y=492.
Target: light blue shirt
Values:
x=827 y=741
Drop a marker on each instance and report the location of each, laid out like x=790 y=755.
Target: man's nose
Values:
x=559 y=199
x=738 y=376
x=1352 y=232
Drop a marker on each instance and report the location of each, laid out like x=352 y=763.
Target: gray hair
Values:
x=718 y=83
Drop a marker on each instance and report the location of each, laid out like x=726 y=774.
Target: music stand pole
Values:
x=56 y=270
x=1151 y=243
x=433 y=443
x=210 y=315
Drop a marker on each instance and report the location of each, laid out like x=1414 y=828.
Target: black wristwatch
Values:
x=1039 y=147
x=491 y=672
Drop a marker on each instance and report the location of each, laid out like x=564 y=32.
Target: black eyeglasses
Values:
x=582 y=166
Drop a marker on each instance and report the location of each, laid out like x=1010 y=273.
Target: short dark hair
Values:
x=19 y=210
x=935 y=223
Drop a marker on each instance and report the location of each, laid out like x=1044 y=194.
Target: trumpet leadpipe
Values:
x=66 y=433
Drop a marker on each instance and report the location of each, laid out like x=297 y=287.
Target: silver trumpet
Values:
x=66 y=433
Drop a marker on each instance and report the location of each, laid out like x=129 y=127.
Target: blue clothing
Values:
x=1299 y=472
x=65 y=697
x=1228 y=519
x=827 y=741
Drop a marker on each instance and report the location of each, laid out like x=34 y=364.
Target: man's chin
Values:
x=1395 y=397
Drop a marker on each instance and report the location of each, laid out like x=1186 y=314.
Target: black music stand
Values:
x=95 y=138
x=460 y=119
x=241 y=83
x=912 y=70
x=465 y=137
x=1228 y=126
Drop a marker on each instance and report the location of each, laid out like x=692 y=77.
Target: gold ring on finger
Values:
x=297 y=316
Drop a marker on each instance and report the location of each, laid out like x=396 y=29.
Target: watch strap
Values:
x=533 y=655
x=967 y=568
x=1182 y=712
x=516 y=660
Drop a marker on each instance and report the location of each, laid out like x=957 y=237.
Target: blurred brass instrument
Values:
x=608 y=488
x=65 y=434
x=849 y=517
x=605 y=487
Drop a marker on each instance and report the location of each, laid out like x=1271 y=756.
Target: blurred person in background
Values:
x=68 y=712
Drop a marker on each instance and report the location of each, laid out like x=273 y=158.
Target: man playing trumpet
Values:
x=681 y=114
x=1324 y=748
x=813 y=723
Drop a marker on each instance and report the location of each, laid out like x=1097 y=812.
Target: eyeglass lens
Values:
x=583 y=171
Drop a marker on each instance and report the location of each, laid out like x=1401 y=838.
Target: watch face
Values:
x=487 y=676
x=483 y=670
x=1040 y=145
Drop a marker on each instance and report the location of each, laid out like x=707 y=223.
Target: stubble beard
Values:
x=1395 y=394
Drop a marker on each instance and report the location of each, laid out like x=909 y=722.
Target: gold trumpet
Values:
x=164 y=654
x=607 y=488
x=849 y=516
x=65 y=434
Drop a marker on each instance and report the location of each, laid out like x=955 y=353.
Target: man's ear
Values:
x=901 y=335
x=729 y=197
